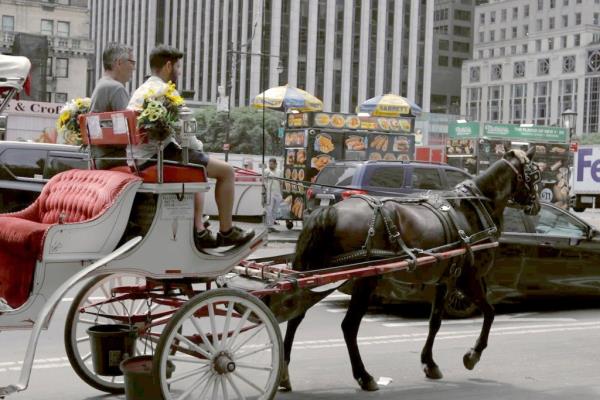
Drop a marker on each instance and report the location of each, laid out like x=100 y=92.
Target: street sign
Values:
x=573 y=147
x=226 y=146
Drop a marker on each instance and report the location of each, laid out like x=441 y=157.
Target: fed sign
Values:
x=587 y=171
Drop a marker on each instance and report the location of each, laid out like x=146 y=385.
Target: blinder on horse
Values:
x=526 y=194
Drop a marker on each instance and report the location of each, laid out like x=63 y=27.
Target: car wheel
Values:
x=289 y=224
x=458 y=305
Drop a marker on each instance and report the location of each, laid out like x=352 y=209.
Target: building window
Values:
x=513 y=49
x=596 y=19
x=540 y=5
x=577 y=40
x=591 y=105
x=538 y=45
x=525 y=30
x=543 y=66
x=593 y=61
x=462 y=15
x=461 y=47
x=8 y=23
x=565 y=21
x=62 y=67
x=495 y=100
x=491 y=53
x=502 y=34
x=63 y=28
x=578 y=19
x=551 y=23
x=457 y=62
x=474 y=73
x=542 y=103
x=524 y=48
x=552 y=3
x=49 y=66
x=515 y=12
x=568 y=64
x=443 y=61
x=539 y=24
x=464 y=31
x=481 y=37
x=519 y=69
x=474 y=103
x=492 y=17
x=482 y=19
x=526 y=10
x=60 y=97
x=444 y=45
x=550 y=43
x=492 y=36
x=565 y=3
x=480 y=53
x=518 y=103
x=496 y=72
x=47 y=27
x=563 y=42
x=514 y=32
x=502 y=51
x=503 y=15
x=567 y=95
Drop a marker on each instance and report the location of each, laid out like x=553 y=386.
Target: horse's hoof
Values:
x=471 y=358
x=433 y=372
x=284 y=383
x=368 y=384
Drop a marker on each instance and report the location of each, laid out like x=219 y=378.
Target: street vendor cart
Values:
x=474 y=146
x=312 y=140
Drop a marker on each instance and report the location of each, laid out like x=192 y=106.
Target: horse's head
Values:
x=527 y=177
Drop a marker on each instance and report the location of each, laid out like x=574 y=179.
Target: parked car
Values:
x=384 y=178
x=552 y=254
x=25 y=167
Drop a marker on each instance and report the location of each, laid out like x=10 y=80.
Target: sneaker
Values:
x=235 y=237
x=205 y=240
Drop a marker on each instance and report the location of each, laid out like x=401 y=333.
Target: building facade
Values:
x=532 y=60
x=343 y=51
x=55 y=36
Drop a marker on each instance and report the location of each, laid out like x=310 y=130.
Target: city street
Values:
x=536 y=351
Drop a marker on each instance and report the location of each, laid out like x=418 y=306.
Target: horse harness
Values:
x=442 y=209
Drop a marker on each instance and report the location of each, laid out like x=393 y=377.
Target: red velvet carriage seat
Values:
x=106 y=136
x=69 y=197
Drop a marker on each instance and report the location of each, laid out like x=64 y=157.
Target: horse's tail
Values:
x=315 y=243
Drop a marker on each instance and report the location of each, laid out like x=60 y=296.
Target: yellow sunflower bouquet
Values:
x=67 y=125
x=160 y=113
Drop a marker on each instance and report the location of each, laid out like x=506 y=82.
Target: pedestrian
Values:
x=273 y=194
x=110 y=95
x=165 y=64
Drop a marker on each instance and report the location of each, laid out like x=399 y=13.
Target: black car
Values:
x=25 y=167
x=552 y=254
x=385 y=178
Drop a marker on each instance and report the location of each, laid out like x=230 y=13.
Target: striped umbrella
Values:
x=389 y=105
x=286 y=98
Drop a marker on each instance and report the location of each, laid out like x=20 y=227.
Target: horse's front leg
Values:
x=359 y=302
x=432 y=371
x=475 y=290
x=290 y=331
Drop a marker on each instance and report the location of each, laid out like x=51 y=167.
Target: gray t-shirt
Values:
x=109 y=95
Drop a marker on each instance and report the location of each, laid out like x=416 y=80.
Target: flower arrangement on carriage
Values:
x=160 y=112
x=67 y=125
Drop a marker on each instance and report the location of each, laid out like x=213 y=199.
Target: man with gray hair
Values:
x=110 y=95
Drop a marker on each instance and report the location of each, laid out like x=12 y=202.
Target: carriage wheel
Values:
x=224 y=344
x=458 y=305
x=76 y=339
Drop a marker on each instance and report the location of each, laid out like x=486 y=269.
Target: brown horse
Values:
x=364 y=228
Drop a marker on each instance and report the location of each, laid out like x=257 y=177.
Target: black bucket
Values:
x=110 y=345
x=139 y=382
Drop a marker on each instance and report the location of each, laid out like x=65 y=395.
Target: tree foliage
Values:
x=245 y=133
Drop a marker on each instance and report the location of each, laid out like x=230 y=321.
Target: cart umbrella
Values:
x=389 y=105
x=286 y=98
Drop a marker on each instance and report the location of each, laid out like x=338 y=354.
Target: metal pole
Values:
x=262 y=85
x=230 y=86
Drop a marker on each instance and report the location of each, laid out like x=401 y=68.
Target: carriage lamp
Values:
x=187 y=132
x=568 y=118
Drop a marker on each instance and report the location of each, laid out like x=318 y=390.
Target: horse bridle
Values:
x=530 y=178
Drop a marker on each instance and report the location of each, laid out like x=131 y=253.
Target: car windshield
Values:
x=339 y=175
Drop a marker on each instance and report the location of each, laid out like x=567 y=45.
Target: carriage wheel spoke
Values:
x=215 y=390
x=107 y=296
x=86 y=321
x=248 y=382
x=254 y=367
x=86 y=357
x=82 y=339
x=188 y=359
x=234 y=386
x=257 y=350
x=256 y=332
x=193 y=346
x=224 y=388
x=224 y=338
x=213 y=326
x=239 y=326
x=202 y=335
x=205 y=377
x=188 y=374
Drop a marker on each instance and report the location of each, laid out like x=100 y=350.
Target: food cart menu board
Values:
x=552 y=159
x=461 y=154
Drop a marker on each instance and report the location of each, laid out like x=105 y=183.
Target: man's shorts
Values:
x=174 y=153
